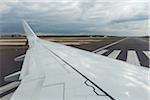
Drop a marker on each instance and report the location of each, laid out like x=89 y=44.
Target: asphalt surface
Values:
x=135 y=46
x=138 y=45
x=95 y=45
x=7 y=63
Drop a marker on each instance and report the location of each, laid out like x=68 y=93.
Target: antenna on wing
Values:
x=29 y=33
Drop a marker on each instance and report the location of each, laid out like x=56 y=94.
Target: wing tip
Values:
x=27 y=29
x=31 y=36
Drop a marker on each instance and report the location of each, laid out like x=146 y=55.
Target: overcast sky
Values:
x=112 y=17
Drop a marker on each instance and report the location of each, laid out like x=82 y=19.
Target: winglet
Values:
x=29 y=33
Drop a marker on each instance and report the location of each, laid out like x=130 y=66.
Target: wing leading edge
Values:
x=59 y=72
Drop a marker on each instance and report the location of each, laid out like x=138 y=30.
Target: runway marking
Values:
x=147 y=53
x=95 y=51
x=132 y=58
x=102 y=52
x=114 y=54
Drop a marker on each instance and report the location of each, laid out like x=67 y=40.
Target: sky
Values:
x=103 y=17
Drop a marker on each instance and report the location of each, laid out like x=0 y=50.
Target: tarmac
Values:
x=135 y=51
x=132 y=50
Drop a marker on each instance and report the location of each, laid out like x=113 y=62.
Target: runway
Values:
x=131 y=50
x=135 y=51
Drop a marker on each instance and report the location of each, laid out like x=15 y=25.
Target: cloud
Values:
x=111 y=17
x=86 y=5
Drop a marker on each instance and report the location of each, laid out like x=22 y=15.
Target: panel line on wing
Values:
x=94 y=90
x=62 y=83
x=80 y=73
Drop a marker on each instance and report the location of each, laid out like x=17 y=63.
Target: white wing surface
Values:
x=53 y=71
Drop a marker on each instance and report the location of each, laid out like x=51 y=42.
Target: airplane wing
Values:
x=53 y=71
